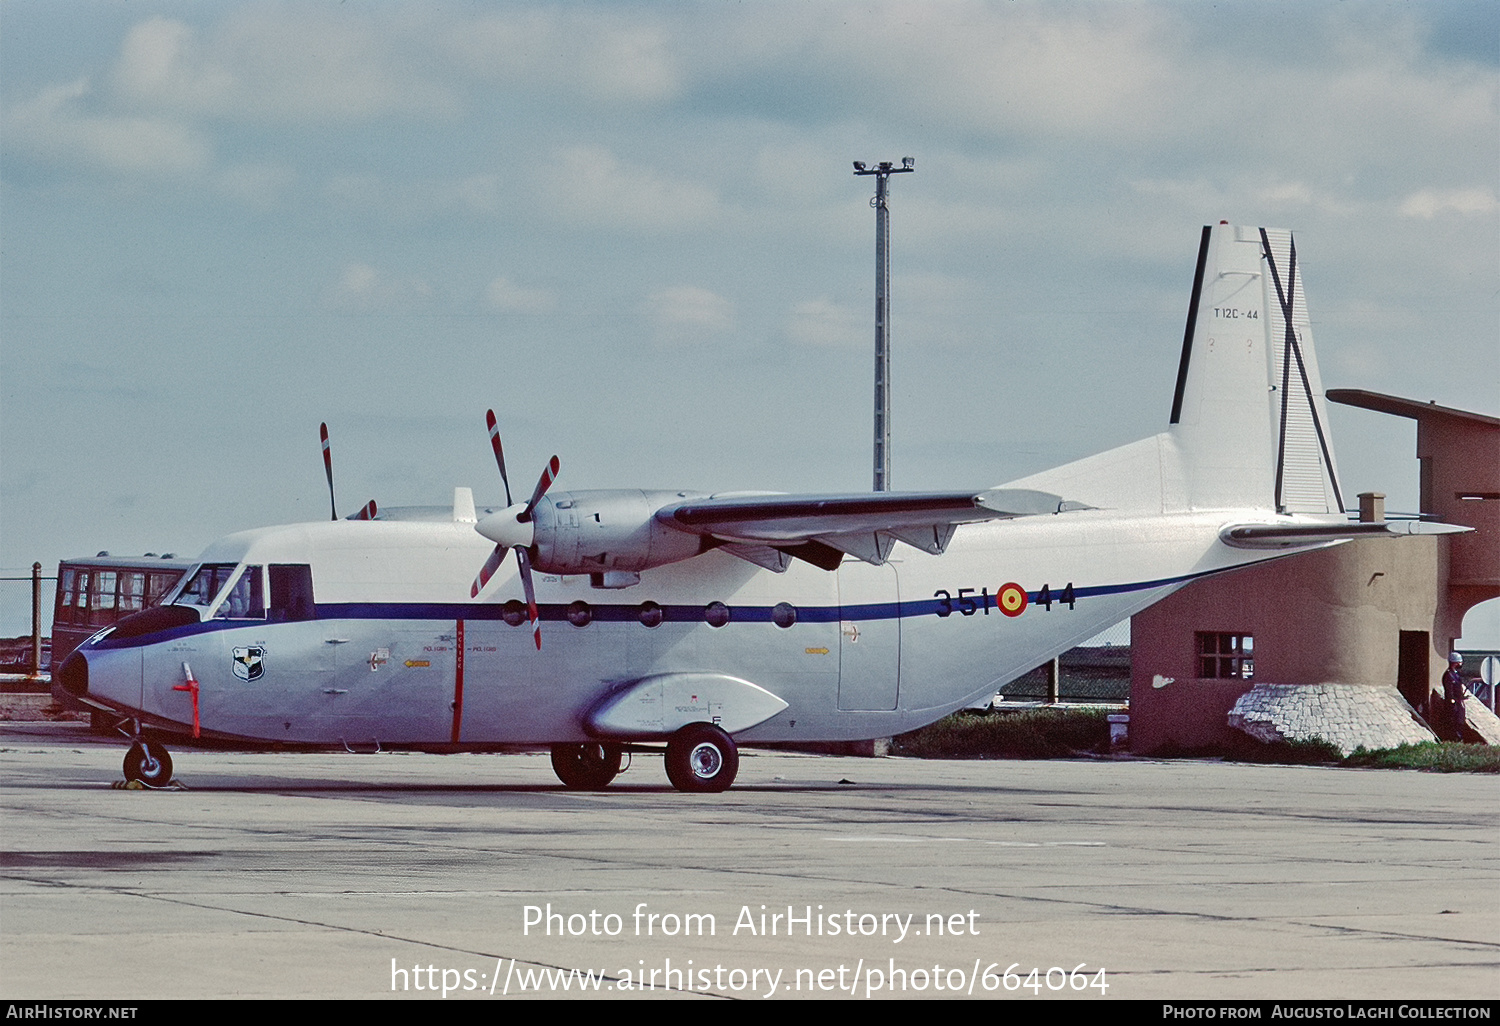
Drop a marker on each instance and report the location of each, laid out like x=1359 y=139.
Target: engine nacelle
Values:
x=591 y=532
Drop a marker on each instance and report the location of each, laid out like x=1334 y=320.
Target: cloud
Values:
x=418 y=198
x=822 y=322
x=362 y=288
x=588 y=185
x=55 y=126
x=1431 y=203
x=261 y=185
x=279 y=64
x=686 y=313
x=504 y=294
x=991 y=70
x=610 y=58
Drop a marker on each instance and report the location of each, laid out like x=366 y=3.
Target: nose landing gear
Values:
x=148 y=762
x=586 y=767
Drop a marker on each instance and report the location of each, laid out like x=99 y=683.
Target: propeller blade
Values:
x=487 y=571
x=328 y=468
x=543 y=483
x=489 y=419
x=531 y=612
x=366 y=513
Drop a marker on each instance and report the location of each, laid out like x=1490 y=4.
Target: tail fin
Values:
x=1249 y=428
x=1248 y=414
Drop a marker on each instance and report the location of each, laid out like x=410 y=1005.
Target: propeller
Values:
x=512 y=528
x=367 y=512
x=328 y=468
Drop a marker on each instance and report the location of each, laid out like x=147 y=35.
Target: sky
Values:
x=633 y=230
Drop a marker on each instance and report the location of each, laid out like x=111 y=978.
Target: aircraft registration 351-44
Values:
x=595 y=622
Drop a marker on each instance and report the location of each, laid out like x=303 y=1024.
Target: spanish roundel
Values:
x=1011 y=598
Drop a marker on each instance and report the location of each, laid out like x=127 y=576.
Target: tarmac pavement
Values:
x=479 y=877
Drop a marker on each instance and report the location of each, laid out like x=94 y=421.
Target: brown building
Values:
x=1379 y=612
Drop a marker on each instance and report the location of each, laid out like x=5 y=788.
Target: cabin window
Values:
x=784 y=614
x=1226 y=656
x=651 y=614
x=245 y=600
x=716 y=614
x=292 y=593
x=513 y=612
x=579 y=613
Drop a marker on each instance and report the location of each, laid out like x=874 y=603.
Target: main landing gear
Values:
x=148 y=762
x=701 y=758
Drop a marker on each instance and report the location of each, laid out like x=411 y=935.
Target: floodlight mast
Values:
x=882 y=172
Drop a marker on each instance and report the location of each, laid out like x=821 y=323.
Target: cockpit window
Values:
x=205 y=584
x=245 y=600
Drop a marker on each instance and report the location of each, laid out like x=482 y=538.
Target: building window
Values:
x=1226 y=656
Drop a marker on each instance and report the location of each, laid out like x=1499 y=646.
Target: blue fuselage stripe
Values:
x=621 y=613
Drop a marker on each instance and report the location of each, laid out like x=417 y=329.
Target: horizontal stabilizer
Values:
x=1291 y=536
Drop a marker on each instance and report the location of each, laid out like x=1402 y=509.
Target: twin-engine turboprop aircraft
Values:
x=711 y=621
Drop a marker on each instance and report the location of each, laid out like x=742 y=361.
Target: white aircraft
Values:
x=711 y=621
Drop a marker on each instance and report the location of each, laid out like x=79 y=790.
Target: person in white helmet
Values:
x=1454 y=691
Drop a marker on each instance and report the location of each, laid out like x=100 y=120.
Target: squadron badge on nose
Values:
x=249 y=663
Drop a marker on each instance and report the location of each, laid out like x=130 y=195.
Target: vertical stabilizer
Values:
x=1248 y=429
x=1248 y=418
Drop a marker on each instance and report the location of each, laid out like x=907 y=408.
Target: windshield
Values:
x=244 y=600
x=204 y=584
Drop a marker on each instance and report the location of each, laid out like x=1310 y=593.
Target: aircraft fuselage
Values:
x=865 y=651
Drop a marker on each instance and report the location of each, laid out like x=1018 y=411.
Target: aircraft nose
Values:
x=73 y=675
x=503 y=528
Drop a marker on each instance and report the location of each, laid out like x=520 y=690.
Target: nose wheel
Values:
x=586 y=767
x=702 y=758
x=150 y=763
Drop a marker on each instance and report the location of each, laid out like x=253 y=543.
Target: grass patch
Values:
x=1246 y=749
x=1066 y=733
x=1437 y=756
x=1029 y=734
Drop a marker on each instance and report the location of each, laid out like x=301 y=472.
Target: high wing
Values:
x=771 y=530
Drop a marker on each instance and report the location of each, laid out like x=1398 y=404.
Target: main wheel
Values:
x=586 y=767
x=701 y=757
x=149 y=763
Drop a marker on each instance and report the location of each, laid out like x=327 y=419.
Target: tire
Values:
x=149 y=763
x=587 y=767
x=702 y=758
